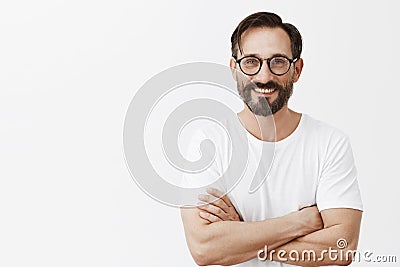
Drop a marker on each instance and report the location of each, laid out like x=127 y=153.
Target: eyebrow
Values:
x=274 y=55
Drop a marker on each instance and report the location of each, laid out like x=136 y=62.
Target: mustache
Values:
x=267 y=85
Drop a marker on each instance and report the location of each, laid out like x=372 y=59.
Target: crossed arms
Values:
x=216 y=236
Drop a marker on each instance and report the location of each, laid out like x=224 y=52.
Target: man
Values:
x=310 y=199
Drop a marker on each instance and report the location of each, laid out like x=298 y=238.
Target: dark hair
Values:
x=270 y=20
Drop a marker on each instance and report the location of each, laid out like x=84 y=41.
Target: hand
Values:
x=311 y=218
x=219 y=207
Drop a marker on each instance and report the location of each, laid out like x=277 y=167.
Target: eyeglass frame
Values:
x=261 y=60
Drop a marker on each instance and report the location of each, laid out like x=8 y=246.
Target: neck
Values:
x=284 y=122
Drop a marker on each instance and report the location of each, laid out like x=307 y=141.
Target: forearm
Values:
x=233 y=242
x=319 y=248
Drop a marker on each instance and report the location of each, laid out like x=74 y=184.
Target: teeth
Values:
x=264 y=91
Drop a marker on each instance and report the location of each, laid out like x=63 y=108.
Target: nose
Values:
x=264 y=75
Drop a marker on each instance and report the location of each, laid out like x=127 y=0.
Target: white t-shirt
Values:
x=314 y=165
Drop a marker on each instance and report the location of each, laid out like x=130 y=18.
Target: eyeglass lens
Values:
x=277 y=65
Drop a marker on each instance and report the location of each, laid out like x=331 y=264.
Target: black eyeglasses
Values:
x=278 y=65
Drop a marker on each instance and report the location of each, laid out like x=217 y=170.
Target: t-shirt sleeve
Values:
x=338 y=185
x=192 y=152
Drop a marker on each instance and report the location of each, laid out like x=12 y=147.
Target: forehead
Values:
x=265 y=42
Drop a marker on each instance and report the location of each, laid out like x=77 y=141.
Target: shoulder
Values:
x=218 y=130
x=331 y=142
x=208 y=133
x=323 y=131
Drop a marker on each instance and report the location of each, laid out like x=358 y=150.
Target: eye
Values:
x=279 y=61
x=251 y=62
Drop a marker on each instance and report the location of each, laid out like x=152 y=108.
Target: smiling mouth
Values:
x=265 y=91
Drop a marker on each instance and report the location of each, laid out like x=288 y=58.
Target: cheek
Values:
x=242 y=80
x=287 y=78
x=293 y=76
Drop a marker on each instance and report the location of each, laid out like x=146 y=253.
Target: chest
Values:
x=289 y=182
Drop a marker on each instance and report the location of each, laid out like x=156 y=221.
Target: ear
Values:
x=298 y=68
x=232 y=65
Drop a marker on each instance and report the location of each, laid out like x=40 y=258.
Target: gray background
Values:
x=68 y=70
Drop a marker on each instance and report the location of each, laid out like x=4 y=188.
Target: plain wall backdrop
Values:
x=69 y=69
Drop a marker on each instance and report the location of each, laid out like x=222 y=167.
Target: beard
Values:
x=262 y=106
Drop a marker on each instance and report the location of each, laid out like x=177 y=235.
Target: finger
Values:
x=226 y=206
x=218 y=202
x=209 y=217
x=207 y=198
x=216 y=193
x=216 y=211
